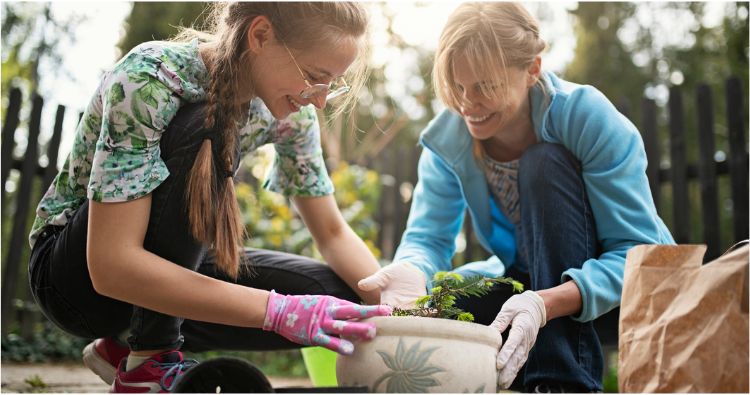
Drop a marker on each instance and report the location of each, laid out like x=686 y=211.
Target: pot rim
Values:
x=436 y=328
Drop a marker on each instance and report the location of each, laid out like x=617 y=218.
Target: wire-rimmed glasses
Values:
x=335 y=88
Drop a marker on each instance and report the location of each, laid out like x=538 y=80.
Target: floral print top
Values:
x=116 y=155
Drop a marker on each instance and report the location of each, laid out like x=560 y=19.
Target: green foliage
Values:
x=47 y=344
x=610 y=381
x=284 y=363
x=140 y=26
x=32 y=34
x=447 y=287
x=50 y=344
x=468 y=317
x=272 y=224
x=610 y=371
x=36 y=382
x=596 y=29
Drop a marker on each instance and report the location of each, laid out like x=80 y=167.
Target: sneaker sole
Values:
x=97 y=364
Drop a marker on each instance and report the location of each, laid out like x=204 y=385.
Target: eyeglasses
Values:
x=335 y=88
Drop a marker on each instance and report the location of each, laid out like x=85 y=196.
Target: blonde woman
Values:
x=554 y=180
x=140 y=232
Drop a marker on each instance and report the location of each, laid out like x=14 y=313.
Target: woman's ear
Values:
x=259 y=34
x=534 y=71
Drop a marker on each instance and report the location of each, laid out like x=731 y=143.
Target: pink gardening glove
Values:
x=318 y=319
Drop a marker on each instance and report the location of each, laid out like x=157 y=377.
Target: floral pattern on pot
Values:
x=424 y=355
x=410 y=372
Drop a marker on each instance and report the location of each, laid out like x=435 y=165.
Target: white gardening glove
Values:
x=400 y=284
x=526 y=314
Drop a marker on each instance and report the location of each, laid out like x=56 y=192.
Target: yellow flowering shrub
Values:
x=272 y=223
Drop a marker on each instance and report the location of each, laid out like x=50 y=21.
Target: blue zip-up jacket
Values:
x=613 y=161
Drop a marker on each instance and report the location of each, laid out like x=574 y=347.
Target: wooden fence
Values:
x=398 y=169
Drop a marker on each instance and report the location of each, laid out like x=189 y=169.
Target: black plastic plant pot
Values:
x=235 y=375
x=223 y=375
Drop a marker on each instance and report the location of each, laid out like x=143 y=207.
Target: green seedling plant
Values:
x=449 y=286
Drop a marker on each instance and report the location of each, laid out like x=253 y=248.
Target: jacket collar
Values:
x=448 y=137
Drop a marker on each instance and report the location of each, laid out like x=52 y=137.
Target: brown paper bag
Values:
x=683 y=325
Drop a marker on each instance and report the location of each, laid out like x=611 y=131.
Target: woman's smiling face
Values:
x=486 y=117
x=278 y=81
x=276 y=78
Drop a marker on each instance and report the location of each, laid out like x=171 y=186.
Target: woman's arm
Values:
x=122 y=269
x=341 y=248
x=562 y=300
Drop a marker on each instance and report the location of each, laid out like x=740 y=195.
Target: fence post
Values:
x=401 y=208
x=53 y=149
x=408 y=174
x=469 y=236
x=623 y=106
x=376 y=164
x=9 y=131
x=738 y=156
x=387 y=203
x=19 y=234
x=653 y=150
x=707 y=172
x=681 y=208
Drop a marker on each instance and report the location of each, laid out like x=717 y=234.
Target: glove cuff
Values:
x=539 y=302
x=273 y=308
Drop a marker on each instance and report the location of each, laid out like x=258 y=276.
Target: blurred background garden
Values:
x=639 y=54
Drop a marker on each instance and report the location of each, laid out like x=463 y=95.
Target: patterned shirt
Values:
x=502 y=178
x=116 y=155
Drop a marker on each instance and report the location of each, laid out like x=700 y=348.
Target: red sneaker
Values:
x=102 y=356
x=157 y=374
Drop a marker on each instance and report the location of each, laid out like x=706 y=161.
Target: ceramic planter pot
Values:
x=418 y=355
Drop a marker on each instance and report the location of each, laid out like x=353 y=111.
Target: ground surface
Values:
x=72 y=377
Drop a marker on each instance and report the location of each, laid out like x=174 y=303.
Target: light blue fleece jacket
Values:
x=613 y=160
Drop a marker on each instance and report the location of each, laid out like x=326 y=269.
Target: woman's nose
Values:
x=469 y=99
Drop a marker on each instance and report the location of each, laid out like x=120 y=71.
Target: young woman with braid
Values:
x=141 y=233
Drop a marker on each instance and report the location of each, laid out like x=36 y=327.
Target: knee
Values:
x=545 y=155
x=543 y=162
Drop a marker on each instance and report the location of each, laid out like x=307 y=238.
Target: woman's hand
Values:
x=400 y=284
x=525 y=313
x=319 y=319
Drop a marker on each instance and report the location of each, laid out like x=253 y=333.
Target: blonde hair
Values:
x=492 y=37
x=212 y=205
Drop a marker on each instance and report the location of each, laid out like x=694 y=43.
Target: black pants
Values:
x=61 y=285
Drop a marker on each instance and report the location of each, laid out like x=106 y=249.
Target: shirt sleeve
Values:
x=136 y=109
x=299 y=168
